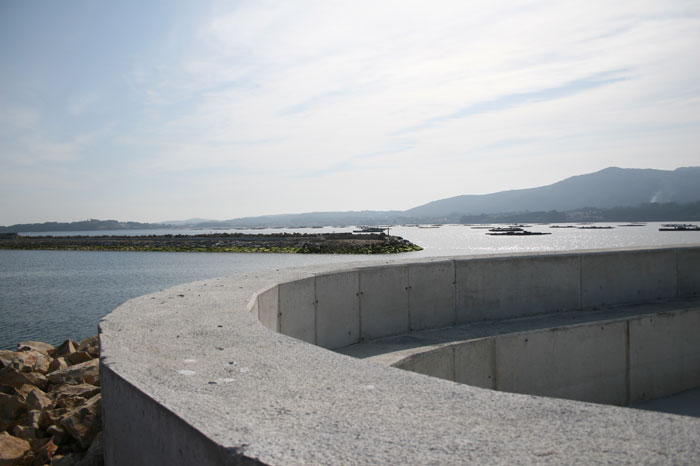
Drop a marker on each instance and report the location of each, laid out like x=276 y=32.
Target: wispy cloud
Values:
x=313 y=102
x=539 y=95
x=509 y=101
x=81 y=102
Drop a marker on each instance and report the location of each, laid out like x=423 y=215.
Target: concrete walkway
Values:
x=389 y=350
x=683 y=404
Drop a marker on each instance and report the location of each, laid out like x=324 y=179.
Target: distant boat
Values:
x=505 y=229
x=679 y=227
x=594 y=227
x=563 y=226
x=515 y=229
x=516 y=232
x=366 y=229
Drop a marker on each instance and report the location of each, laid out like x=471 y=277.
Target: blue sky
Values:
x=167 y=110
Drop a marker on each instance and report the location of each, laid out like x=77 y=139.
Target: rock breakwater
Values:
x=50 y=404
x=301 y=243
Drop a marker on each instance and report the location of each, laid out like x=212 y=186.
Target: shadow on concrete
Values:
x=685 y=404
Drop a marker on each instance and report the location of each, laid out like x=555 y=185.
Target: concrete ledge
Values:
x=621 y=356
x=190 y=376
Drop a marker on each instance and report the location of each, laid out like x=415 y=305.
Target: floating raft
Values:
x=517 y=232
x=679 y=227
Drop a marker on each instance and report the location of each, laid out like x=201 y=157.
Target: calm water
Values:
x=53 y=295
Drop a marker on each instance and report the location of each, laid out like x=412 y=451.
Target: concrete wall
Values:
x=628 y=277
x=688 y=272
x=338 y=309
x=431 y=295
x=475 y=363
x=500 y=288
x=141 y=431
x=268 y=308
x=584 y=363
x=297 y=309
x=615 y=362
x=664 y=354
x=212 y=386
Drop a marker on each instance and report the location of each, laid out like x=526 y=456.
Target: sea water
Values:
x=54 y=295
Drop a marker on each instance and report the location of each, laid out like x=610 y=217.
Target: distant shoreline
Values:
x=287 y=243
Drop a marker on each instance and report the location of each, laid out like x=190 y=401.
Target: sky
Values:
x=171 y=109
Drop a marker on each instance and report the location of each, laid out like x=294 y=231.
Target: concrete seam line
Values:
x=279 y=310
x=315 y=313
x=494 y=364
x=628 y=383
x=454 y=291
x=358 y=294
x=407 y=289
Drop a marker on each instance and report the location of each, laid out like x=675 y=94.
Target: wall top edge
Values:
x=349 y=267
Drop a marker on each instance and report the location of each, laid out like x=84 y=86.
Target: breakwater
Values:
x=295 y=243
x=50 y=404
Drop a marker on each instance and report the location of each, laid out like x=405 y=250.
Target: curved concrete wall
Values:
x=615 y=361
x=338 y=309
x=190 y=377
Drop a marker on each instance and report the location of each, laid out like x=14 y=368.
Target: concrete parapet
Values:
x=628 y=277
x=501 y=288
x=475 y=363
x=431 y=295
x=688 y=272
x=338 y=309
x=191 y=377
x=664 y=354
x=297 y=309
x=612 y=359
x=579 y=363
x=383 y=301
x=267 y=307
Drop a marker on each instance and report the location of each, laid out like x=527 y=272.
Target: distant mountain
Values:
x=611 y=194
x=190 y=221
x=611 y=187
x=603 y=190
x=313 y=219
x=84 y=225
